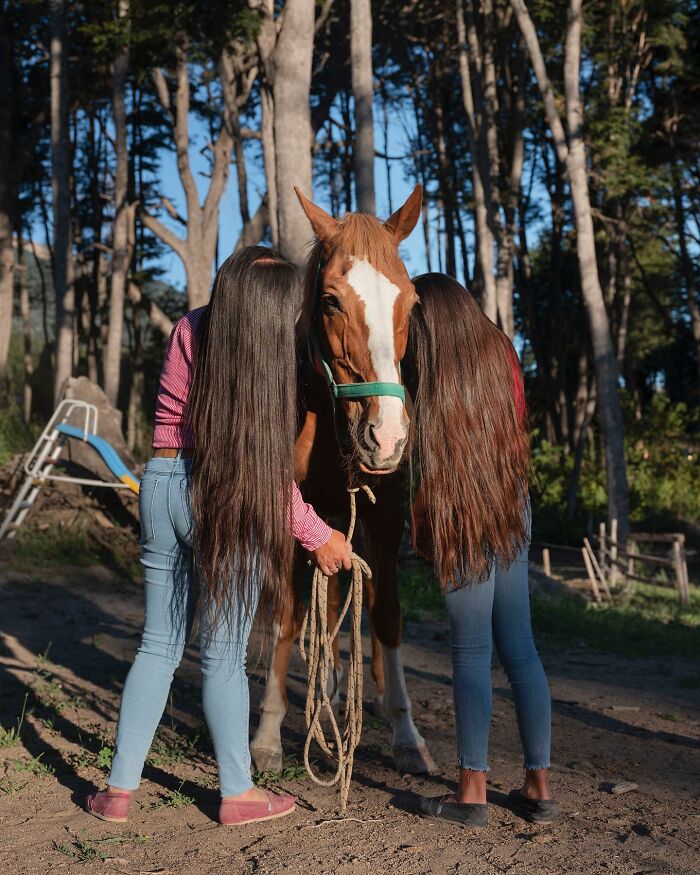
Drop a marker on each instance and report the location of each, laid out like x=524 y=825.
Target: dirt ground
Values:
x=68 y=636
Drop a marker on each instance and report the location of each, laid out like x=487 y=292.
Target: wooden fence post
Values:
x=591 y=575
x=545 y=562
x=680 y=568
x=612 y=576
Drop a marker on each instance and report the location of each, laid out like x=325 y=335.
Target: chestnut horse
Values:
x=357 y=302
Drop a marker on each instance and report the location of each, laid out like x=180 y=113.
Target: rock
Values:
x=619 y=789
x=109 y=427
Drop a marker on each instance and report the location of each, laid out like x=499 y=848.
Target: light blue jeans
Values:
x=497 y=610
x=169 y=578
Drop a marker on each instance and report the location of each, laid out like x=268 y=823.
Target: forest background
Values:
x=141 y=141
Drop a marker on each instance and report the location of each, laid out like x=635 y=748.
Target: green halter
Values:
x=345 y=390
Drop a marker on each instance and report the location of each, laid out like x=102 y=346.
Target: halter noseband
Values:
x=350 y=391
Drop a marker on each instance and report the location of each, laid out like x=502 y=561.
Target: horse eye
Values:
x=331 y=304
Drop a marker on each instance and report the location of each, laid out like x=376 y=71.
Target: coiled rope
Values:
x=319 y=660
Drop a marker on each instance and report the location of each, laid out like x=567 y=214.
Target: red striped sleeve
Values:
x=307 y=526
x=171 y=429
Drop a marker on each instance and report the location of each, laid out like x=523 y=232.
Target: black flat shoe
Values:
x=534 y=810
x=472 y=815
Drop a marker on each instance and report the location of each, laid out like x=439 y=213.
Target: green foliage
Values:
x=105 y=756
x=664 y=462
x=14 y=435
x=83 y=850
x=10 y=737
x=173 y=799
x=292 y=770
x=70 y=546
x=643 y=625
x=648 y=622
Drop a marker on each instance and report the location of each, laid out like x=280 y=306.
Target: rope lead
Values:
x=320 y=665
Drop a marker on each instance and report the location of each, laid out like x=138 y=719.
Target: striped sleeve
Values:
x=307 y=526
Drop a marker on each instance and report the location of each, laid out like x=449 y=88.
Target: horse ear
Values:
x=324 y=225
x=405 y=219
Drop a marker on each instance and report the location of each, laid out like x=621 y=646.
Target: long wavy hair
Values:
x=243 y=419
x=469 y=441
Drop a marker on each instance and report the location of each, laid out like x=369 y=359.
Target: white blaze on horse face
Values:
x=379 y=296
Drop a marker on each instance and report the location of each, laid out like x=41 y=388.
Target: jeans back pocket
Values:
x=147 y=497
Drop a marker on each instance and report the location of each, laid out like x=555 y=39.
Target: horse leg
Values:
x=377 y=669
x=409 y=749
x=266 y=746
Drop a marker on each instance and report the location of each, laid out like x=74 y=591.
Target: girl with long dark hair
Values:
x=219 y=511
x=472 y=518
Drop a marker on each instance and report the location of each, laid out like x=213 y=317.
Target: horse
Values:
x=357 y=302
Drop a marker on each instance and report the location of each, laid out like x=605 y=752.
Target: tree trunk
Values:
x=6 y=209
x=573 y=156
x=363 y=93
x=292 y=126
x=7 y=278
x=60 y=188
x=26 y=330
x=121 y=255
x=687 y=269
x=484 y=236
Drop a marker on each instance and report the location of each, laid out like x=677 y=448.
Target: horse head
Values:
x=358 y=298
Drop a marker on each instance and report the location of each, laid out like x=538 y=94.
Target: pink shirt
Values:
x=171 y=429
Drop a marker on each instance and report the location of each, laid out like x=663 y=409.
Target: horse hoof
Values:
x=266 y=759
x=414 y=761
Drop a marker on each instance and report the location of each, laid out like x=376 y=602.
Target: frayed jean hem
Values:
x=469 y=768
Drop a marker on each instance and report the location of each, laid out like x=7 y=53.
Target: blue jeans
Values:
x=497 y=610
x=169 y=577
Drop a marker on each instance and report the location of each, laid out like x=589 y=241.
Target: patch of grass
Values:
x=649 y=622
x=37 y=548
x=7 y=787
x=636 y=627
x=292 y=770
x=10 y=737
x=35 y=766
x=105 y=756
x=63 y=546
x=672 y=716
x=419 y=591
x=173 y=799
x=83 y=850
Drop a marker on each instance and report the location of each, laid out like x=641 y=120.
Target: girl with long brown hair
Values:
x=472 y=518
x=219 y=511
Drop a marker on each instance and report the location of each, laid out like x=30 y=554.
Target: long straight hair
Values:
x=469 y=435
x=243 y=419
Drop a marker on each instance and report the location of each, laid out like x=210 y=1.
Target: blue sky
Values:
x=412 y=251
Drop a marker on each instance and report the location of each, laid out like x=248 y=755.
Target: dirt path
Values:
x=614 y=720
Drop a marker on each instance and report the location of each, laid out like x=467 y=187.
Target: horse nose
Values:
x=383 y=441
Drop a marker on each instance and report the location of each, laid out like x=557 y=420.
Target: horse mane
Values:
x=359 y=235
x=469 y=437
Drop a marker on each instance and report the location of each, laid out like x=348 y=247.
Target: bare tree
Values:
x=363 y=93
x=572 y=155
x=60 y=187
x=197 y=249
x=123 y=216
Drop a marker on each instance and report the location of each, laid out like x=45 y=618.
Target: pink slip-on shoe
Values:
x=113 y=806
x=233 y=812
